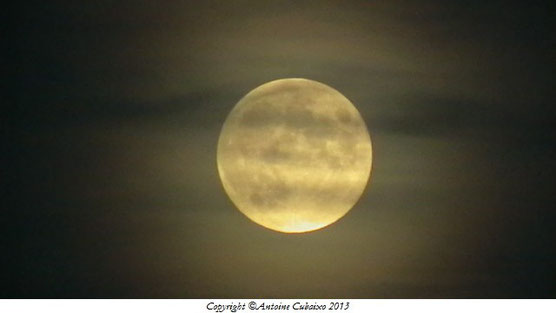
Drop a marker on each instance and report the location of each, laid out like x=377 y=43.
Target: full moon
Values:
x=294 y=155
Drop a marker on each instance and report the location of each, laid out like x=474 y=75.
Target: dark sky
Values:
x=111 y=185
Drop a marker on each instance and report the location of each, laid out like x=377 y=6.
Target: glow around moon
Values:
x=294 y=155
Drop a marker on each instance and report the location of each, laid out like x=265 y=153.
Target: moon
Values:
x=294 y=155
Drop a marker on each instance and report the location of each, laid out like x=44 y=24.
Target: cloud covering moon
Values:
x=294 y=155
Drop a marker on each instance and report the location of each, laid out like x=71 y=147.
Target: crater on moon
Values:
x=294 y=155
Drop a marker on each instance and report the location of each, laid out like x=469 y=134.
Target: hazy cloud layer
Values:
x=118 y=107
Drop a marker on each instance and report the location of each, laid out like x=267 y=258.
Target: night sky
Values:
x=111 y=187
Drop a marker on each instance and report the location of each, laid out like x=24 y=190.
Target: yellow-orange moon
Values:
x=294 y=155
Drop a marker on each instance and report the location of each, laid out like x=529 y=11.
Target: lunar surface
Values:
x=294 y=155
